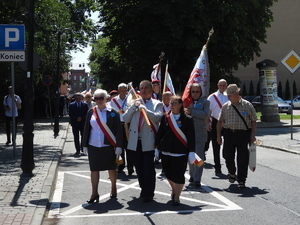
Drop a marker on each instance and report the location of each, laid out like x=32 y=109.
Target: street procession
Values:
x=149 y=112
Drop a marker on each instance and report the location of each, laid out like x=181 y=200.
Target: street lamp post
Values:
x=27 y=162
x=58 y=76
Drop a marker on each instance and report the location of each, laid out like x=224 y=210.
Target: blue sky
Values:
x=82 y=57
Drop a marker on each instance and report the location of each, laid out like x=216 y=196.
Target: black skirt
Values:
x=101 y=159
x=175 y=167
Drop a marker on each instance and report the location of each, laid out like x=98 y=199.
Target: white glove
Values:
x=85 y=150
x=141 y=106
x=137 y=102
x=192 y=157
x=118 y=151
x=156 y=154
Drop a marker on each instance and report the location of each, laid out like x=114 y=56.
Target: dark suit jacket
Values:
x=168 y=142
x=75 y=112
x=112 y=121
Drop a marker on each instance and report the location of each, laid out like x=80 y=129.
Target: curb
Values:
x=48 y=186
x=280 y=149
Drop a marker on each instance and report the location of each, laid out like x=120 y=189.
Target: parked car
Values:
x=283 y=107
x=296 y=102
x=249 y=98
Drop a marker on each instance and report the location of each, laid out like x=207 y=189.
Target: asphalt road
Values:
x=272 y=196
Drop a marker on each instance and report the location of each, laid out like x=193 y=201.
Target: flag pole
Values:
x=161 y=57
x=166 y=73
x=210 y=33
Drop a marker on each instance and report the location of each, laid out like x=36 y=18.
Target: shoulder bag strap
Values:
x=238 y=112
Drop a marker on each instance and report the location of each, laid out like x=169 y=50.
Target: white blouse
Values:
x=96 y=134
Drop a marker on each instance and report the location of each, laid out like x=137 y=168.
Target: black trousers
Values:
x=215 y=145
x=8 y=121
x=144 y=165
x=236 y=142
x=76 y=129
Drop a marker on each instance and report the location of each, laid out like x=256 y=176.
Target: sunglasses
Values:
x=195 y=91
x=99 y=98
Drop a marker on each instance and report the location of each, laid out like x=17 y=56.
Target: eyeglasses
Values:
x=99 y=98
x=195 y=91
x=174 y=103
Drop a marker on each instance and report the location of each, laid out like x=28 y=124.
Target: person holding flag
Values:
x=176 y=140
x=119 y=103
x=199 y=111
x=144 y=116
x=156 y=90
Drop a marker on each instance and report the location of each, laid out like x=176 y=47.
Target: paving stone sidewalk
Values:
x=23 y=200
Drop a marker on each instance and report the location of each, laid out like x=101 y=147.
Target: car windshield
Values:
x=280 y=100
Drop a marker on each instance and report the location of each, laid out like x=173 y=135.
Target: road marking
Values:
x=54 y=211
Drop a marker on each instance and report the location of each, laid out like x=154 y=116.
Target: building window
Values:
x=80 y=78
x=74 y=77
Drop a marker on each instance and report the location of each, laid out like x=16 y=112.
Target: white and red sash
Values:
x=118 y=105
x=176 y=130
x=217 y=100
x=105 y=129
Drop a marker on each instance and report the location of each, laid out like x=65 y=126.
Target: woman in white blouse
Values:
x=102 y=139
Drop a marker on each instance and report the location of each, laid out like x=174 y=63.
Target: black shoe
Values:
x=218 y=171
x=175 y=203
x=113 y=195
x=197 y=184
x=120 y=171
x=147 y=199
x=92 y=200
x=191 y=180
x=7 y=143
x=130 y=172
x=241 y=185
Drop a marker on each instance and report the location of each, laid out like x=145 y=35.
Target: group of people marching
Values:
x=157 y=126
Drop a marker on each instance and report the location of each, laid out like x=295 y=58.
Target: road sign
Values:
x=12 y=37
x=291 y=61
x=47 y=80
x=12 y=43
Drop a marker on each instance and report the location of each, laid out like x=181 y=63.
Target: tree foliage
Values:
x=67 y=17
x=141 y=29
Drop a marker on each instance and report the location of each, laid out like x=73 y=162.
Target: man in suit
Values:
x=199 y=110
x=77 y=113
x=142 y=137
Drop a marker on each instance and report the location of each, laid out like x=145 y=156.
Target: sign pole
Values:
x=292 y=63
x=13 y=104
x=292 y=97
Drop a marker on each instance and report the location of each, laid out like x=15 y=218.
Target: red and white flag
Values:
x=200 y=74
x=156 y=73
x=168 y=86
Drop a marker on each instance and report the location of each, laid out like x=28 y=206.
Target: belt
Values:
x=123 y=123
x=236 y=130
x=139 y=138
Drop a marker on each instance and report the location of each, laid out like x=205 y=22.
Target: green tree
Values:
x=258 y=89
x=140 y=30
x=287 y=90
x=279 y=91
x=294 y=89
x=251 y=89
x=244 y=90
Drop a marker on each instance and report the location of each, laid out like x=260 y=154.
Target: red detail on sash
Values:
x=217 y=100
x=140 y=122
x=103 y=129
x=175 y=131
x=117 y=104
